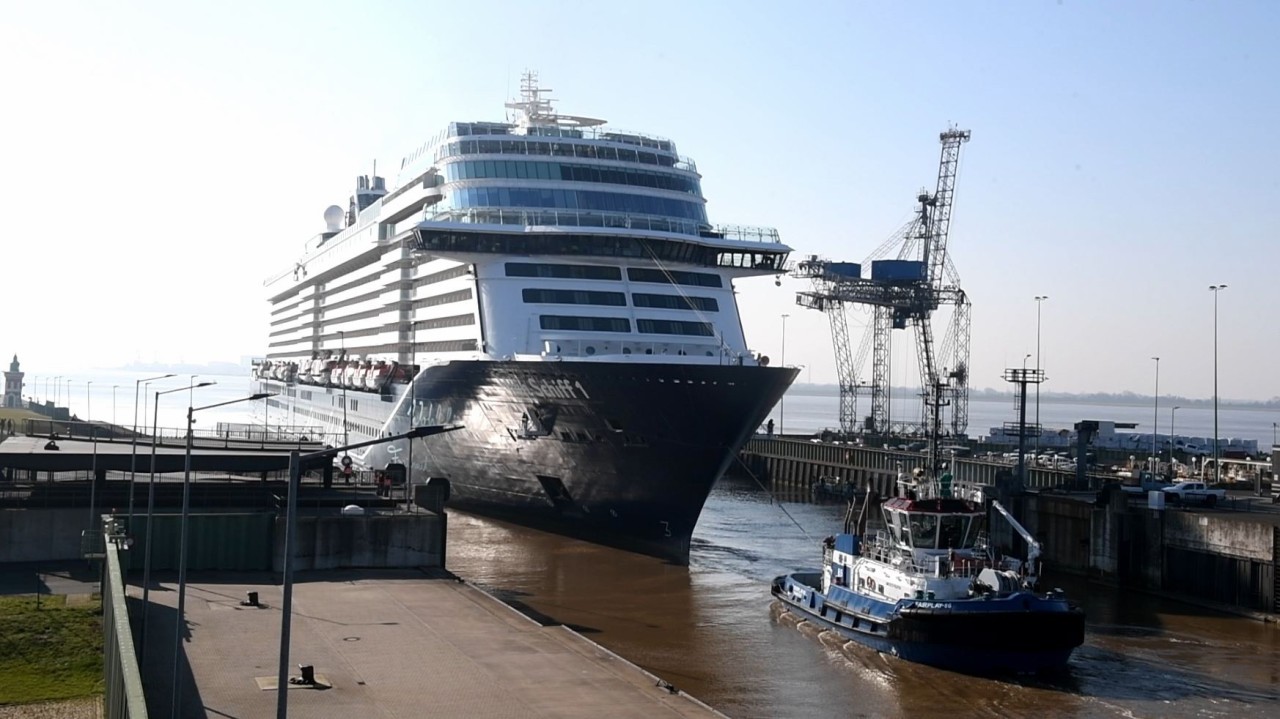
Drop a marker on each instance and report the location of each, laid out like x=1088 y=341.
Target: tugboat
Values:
x=927 y=588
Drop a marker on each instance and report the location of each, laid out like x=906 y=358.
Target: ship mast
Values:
x=534 y=110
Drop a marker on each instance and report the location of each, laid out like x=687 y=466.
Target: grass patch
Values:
x=16 y=414
x=54 y=652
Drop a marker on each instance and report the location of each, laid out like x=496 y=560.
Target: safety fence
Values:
x=123 y=696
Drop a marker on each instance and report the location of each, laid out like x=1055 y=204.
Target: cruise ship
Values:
x=553 y=288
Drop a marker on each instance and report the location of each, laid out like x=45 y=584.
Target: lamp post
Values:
x=133 y=459
x=296 y=460
x=1173 y=415
x=88 y=402
x=1217 y=474
x=182 y=538
x=151 y=505
x=782 y=403
x=72 y=430
x=1039 y=299
x=342 y=339
x=114 y=387
x=1155 y=420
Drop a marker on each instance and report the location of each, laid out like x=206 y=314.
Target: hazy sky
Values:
x=161 y=161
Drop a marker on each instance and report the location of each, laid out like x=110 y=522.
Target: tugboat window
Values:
x=924 y=530
x=952 y=532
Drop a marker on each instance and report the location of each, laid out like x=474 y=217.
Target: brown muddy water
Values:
x=713 y=630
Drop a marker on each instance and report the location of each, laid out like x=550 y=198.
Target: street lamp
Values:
x=151 y=504
x=1039 y=299
x=342 y=339
x=1173 y=414
x=1155 y=420
x=1217 y=473
x=133 y=460
x=182 y=537
x=296 y=459
x=782 y=405
x=114 y=387
x=88 y=402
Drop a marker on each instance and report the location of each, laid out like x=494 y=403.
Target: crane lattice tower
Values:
x=903 y=292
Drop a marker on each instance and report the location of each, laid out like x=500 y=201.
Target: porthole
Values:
x=591 y=350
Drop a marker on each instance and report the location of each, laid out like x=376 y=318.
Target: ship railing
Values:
x=704 y=352
x=581 y=218
x=503 y=132
x=963 y=565
x=748 y=233
x=564 y=218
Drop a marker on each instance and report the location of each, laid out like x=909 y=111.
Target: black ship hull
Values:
x=615 y=453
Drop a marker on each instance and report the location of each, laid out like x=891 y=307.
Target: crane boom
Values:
x=1033 y=547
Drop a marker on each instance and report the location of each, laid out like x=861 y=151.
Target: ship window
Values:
x=924 y=530
x=675 y=302
x=584 y=324
x=951 y=534
x=971 y=536
x=699 y=279
x=534 y=295
x=576 y=272
x=674 y=327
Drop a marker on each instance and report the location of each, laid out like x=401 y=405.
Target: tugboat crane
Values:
x=901 y=294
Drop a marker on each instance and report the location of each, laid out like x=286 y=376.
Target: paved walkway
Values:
x=392 y=644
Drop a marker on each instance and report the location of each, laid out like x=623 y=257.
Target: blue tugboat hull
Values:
x=1019 y=633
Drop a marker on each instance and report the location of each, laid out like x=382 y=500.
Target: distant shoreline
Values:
x=825 y=390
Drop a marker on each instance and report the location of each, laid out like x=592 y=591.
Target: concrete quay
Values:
x=388 y=643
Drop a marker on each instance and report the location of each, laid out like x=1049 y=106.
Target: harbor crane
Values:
x=902 y=293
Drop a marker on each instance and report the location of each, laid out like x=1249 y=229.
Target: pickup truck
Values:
x=1189 y=492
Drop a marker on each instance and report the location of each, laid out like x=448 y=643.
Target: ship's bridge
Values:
x=932 y=524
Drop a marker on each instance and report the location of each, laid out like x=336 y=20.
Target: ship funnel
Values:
x=333 y=218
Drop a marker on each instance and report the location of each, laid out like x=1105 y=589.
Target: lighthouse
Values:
x=13 y=385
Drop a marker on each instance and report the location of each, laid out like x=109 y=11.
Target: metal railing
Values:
x=224 y=435
x=583 y=218
x=123 y=697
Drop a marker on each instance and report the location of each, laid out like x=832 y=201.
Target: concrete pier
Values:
x=387 y=643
